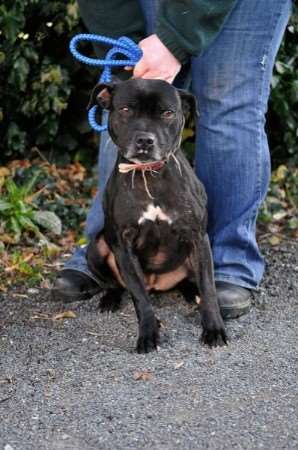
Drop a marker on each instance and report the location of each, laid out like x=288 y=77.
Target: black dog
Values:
x=154 y=236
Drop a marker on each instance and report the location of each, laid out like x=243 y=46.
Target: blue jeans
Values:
x=231 y=81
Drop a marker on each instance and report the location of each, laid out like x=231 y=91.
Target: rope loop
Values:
x=120 y=47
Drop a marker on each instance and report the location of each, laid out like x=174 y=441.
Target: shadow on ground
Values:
x=69 y=384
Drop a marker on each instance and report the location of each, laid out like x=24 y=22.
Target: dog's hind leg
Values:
x=98 y=255
x=213 y=327
x=111 y=300
x=189 y=290
x=133 y=276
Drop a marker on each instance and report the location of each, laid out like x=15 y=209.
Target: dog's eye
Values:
x=168 y=114
x=124 y=109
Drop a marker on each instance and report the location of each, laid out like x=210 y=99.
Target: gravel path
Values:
x=70 y=384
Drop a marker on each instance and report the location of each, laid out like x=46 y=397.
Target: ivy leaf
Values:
x=11 y=22
x=48 y=220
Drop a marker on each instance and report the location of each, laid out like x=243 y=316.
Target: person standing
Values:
x=228 y=48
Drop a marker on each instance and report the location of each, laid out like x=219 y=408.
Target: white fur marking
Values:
x=153 y=213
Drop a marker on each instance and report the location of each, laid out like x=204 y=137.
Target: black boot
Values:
x=233 y=300
x=72 y=285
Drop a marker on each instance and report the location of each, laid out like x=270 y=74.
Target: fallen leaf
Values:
x=281 y=172
x=51 y=374
x=279 y=215
x=4 y=172
x=161 y=324
x=197 y=300
x=50 y=250
x=142 y=375
x=33 y=291
x=178 y=365
x=7 y=239
x=45 y=284
x=187 y=133
x=15 y=266
x=6 y=380
x=40 y=316
x=275 y=240
x=93 y=334
x=20 y=295
x=8 y=447
x=64 y=315
x=18 y=163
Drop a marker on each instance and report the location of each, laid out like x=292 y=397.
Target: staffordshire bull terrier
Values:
x=154 y=237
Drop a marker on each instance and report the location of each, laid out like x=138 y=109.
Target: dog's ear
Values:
x=189 y=104
x=102 y=95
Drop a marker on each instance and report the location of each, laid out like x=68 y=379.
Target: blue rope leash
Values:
x=122 y=46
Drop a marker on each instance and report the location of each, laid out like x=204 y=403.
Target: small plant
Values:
x=279 y=213
x=20 y=214
x=36 y=198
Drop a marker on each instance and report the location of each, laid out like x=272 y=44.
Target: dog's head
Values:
x=146 y=116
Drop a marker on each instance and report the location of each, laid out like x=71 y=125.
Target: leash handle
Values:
x=122 y=46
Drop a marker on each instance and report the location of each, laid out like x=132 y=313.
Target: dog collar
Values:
x=152 y=166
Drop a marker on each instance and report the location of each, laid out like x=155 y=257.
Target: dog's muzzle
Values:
x=144 y=145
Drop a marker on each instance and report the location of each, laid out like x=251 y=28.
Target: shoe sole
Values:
x=234 y=313
x=58 y=295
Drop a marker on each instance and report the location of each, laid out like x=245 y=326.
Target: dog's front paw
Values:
x=148 y=339
x=214 y=334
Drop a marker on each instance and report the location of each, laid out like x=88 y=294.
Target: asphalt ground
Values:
x=76 y=383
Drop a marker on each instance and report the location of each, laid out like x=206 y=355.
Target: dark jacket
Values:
x=186 y=27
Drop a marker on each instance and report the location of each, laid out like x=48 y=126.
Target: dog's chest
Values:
x=155 y=213
x=159 y=242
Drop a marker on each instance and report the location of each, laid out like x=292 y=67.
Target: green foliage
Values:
x=282 y=120
x=279 y=213
x=45 y=91
x=24 y=268
x=49 y=196
x=35 y=69
x=32 y=195
x=19 y=214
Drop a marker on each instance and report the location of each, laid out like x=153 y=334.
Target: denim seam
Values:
x=234 y=280
x=250 y=220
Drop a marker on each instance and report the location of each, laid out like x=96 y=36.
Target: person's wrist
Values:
x=168 y=41
x=157 y=60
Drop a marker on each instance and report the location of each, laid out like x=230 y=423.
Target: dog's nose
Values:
x=144 y=142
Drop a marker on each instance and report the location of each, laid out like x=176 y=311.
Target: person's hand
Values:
x=157 y=61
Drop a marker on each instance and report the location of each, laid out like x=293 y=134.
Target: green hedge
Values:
x=282 y=118
x=44 y=91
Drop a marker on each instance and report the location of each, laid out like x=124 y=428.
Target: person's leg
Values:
x=232 y=81
x=75 y=281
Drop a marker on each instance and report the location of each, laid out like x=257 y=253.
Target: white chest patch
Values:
x=153 y=213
